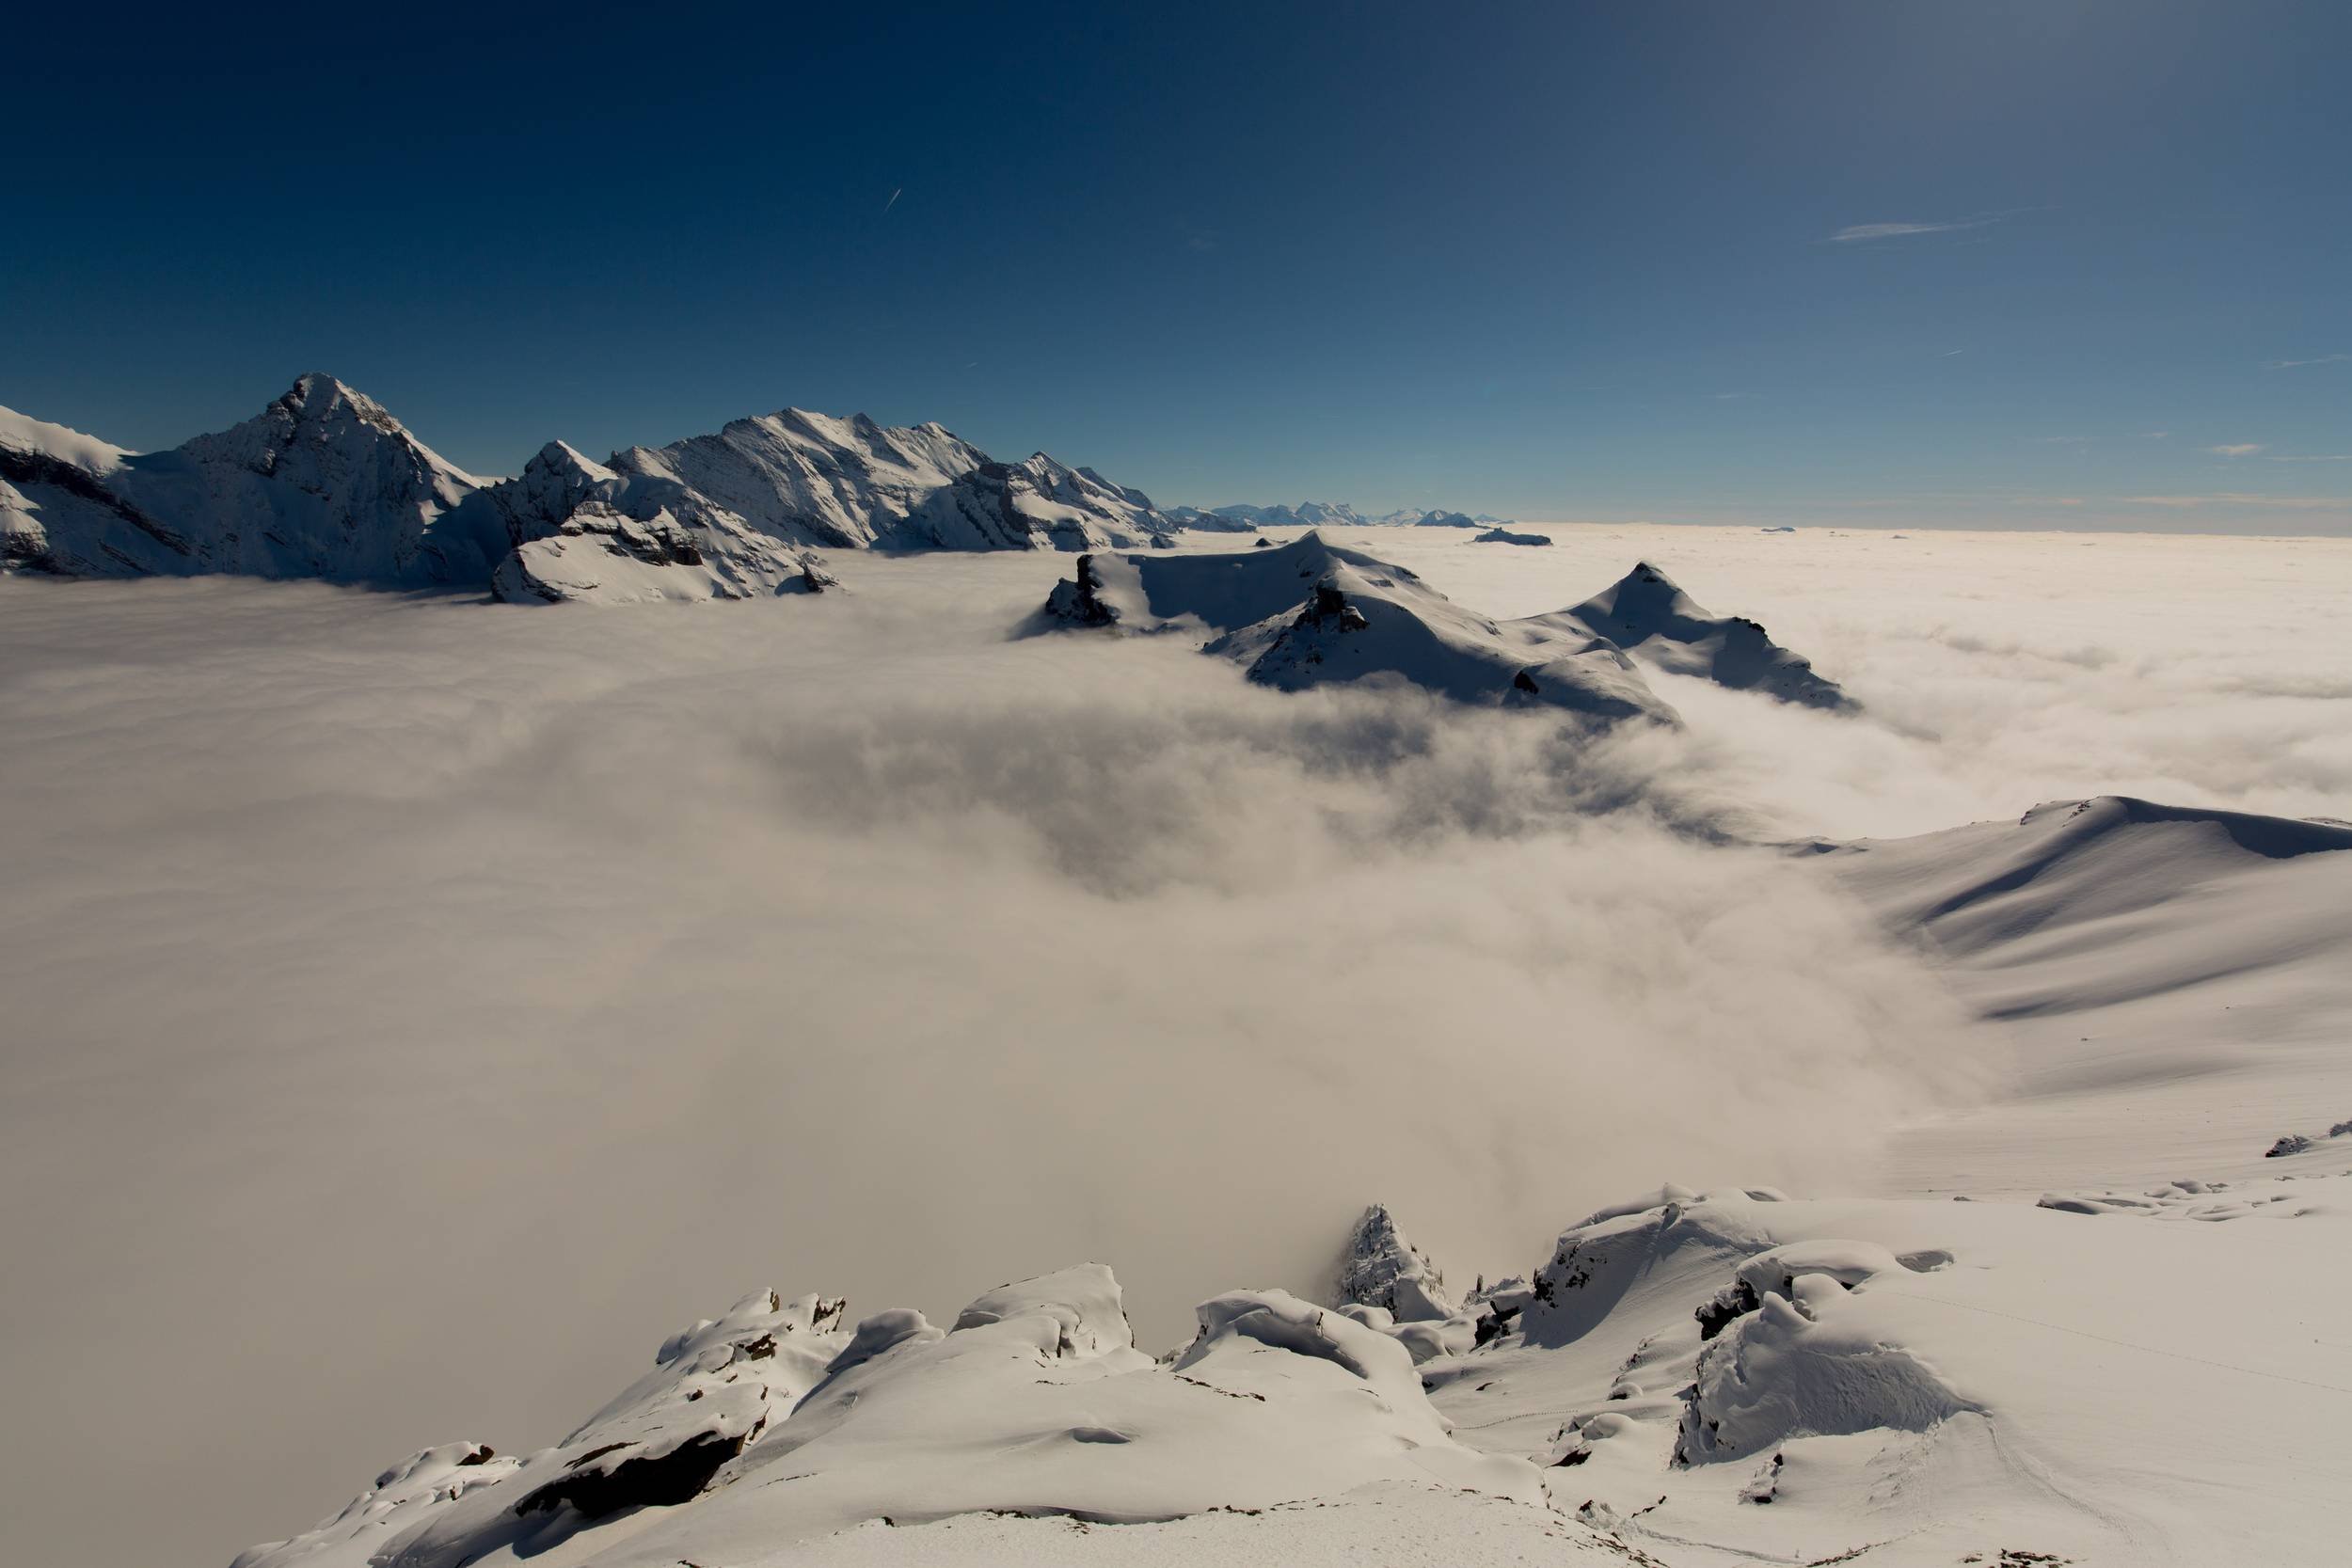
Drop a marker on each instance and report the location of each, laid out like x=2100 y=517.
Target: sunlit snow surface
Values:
x=419 y=1008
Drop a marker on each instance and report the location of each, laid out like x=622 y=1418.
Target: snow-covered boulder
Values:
x=1310 y=613
x=1645 y=615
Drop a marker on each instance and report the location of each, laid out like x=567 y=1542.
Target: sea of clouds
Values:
x=416 y=1008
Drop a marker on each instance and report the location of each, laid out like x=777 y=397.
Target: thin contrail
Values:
x=893 y=200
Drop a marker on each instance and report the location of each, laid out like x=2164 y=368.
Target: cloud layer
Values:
x=420 y=1008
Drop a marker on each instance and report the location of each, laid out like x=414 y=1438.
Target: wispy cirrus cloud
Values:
x=2236 y=448
x=1854 y=231
x=2298 y=364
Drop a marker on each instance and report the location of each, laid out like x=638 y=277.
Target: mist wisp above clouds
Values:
x=419 y=1007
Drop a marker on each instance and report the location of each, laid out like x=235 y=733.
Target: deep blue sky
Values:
x=1552 y=260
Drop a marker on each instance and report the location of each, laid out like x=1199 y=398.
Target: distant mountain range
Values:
x=1324 y=515
x=325 y=483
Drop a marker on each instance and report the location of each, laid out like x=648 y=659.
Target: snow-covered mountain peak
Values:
x=562 y=457
x=322 y=483
x=1313 y=614
x=1646 y=614
x=1384 y=1270
x=317 y=395
x=344 y=429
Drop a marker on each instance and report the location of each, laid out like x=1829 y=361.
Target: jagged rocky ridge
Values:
x=1310 y=612
x=326 y=484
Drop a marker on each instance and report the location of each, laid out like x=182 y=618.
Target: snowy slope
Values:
x=1645 y=615
x=809 y=478
x=773 y=1427
x=2189 y=973
x=1702 y=1378
x=1039 y=502
x=1729 y=1376
x=322 y=483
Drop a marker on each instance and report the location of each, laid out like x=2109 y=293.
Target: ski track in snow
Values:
x=592 y=966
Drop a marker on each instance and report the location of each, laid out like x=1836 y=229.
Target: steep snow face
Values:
x=773 y=1426
x=814 y=480
x=322 y=483
x=1039 y=502
x=57 y=509
x=1309 y=612
x=1645 y=613
x=808 y=478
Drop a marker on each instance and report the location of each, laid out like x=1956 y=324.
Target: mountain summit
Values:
x=325 y=483
x=1646 y=614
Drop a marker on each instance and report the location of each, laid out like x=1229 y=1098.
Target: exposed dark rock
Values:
x=661 y=1481
x=1076 y=599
